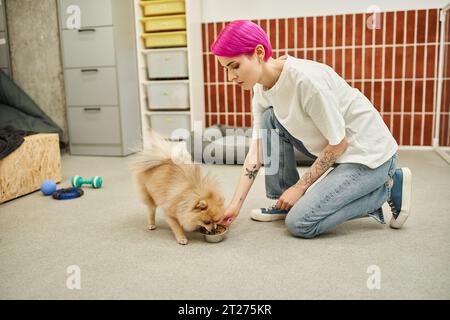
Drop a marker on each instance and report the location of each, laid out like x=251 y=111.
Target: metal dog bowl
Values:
x=217 y=236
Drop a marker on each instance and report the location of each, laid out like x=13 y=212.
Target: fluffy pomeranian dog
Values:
x=166 y=177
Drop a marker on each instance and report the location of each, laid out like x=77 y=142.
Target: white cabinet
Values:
x=169 y=41
x=101 y=76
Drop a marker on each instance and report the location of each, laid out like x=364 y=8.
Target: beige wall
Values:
x=35 y=54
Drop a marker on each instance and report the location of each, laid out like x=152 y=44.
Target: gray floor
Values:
x=104 y=234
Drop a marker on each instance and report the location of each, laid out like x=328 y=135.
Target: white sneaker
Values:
x=400 y=200
x=268 y=214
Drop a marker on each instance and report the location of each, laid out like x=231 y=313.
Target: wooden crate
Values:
x=24 y=170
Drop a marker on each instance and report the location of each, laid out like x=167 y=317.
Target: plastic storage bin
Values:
x=166 y=64
x=166 y=124
x=168 y=95
x=156 y=8
x=164 y=23
x=165 y=39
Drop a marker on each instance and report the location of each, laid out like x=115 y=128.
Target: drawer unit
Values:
x=168 y=95
x=165 y=39
x=96 y=125
x=92 y=13
x=88 y=47
x=101 y=78
x=164 y=23
x=155 y=8
x=166 y=124
x=94 y=86
x=166 y=64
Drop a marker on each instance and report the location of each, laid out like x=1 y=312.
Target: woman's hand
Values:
x=231 y=213
x=290 y=197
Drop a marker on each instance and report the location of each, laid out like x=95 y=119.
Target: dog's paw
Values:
x=182 y=241
x=151 y=227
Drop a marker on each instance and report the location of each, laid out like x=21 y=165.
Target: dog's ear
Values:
x=202 y=205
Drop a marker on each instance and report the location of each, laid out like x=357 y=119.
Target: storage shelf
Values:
x=192 y=79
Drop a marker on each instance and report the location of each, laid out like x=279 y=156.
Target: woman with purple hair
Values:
x=303 y=104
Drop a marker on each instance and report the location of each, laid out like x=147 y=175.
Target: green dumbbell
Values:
x=95 y=182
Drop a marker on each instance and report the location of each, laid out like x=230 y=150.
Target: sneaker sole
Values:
x=406 y=201
x=256 y=215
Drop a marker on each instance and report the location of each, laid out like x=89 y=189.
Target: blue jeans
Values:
x=349 y=191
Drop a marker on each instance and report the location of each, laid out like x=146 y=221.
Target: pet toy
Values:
x=95 y=182
x=48 y=187
x=67 y=193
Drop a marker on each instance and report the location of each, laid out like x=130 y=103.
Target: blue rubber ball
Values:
x=48 y=187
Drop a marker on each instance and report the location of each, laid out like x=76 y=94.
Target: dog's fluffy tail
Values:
x=160 y=151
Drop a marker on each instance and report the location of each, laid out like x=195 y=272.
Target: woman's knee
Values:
x=300 y=226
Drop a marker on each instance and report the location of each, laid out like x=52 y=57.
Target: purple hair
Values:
x=241 y=37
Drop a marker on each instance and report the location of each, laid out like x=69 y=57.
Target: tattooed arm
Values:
x=324 y=161
x=250 y=169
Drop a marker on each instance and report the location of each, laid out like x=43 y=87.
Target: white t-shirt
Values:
x=316 y=106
